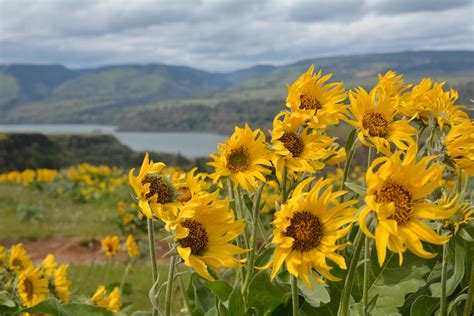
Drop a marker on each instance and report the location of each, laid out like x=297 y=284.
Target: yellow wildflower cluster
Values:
x=111 y=246
x=33 y=283
x=29 y=176
x=284 y=181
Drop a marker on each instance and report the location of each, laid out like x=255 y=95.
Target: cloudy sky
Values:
x=225 y=35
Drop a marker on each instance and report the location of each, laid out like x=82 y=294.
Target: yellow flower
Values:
x=374 y=117
x=203 y=231
x=460 y=146
x=49 y=264
x=243 y=158
x=132 y=247
x=299 y=149
x=397 y=194
x=155 y=192
x=317 y=103
x=18 y=259
x=111 y=245
x=270 y=196
x=60 y=283
x=32 y=286
x=127 y=218
x=307 y=228
x=428 y=100
x=3 y=255
x=111 y=302
x=187 y=186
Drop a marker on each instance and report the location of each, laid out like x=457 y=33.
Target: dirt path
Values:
x=72 y=250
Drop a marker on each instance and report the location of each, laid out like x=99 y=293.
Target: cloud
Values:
x=224 y=35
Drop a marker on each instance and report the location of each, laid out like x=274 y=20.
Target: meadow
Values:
x=355 y=203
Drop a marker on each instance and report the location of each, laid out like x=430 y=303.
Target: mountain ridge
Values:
x=113 y=94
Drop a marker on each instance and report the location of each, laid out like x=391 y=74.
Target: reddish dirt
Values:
x=72 y=250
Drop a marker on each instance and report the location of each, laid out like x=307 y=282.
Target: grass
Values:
x=61 y=216
x=138 y=283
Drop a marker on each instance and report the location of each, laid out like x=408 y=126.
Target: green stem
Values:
x=444 y=276
x=182 y=289
x=365 y=296
x=169 y=286
x=256 y=209
x=154 y=265
x=261 y=228
x=347 y=166
x=294 y=295
x=284 y=194
x=107 y=270
x=240 y=215
x=125 y=275
x=346 y=292
x=470 y=293
x=459 y=182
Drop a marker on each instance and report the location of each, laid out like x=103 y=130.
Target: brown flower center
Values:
x=184 y=194
x=17 y=263
x=28 y=288
x=197 y=238
x=306 y=229
x=376 y=124
x=159 y=187
x=293 y=143
x=400 y=196
x=238 y=159
x=307 y=102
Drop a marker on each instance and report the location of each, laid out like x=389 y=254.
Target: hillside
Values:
x=161 y=97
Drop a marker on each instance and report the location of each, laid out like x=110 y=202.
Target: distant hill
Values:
x=132 y=95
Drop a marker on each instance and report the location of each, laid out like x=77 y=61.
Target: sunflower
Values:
x=271 y=196
x=317 y=103
x=243 y=158
x=374 y=117
x=307 y=228
x=3 y=255
x=32 y=286
x=460 y=146
x=111 y=245
x=391 y=85
x=60 y=283
x=49 y=264
x=203 y=230
x=132 y=247
x=298 y=148
x=189 y=185
x=429 y=100
x=155 y=192
x=18 y=259
x=397 y=194
x=111 y=302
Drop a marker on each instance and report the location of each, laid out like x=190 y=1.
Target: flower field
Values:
x=290 y=222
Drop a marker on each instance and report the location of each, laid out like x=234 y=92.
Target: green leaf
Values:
x=424 y=306
x=263 y=258
x=360 y=190
x=456 y=301
x=316 y=295
x=350 y=140
x=457 y=258
x=53 y=307
x=223 y=311
x=220 y=288
x=265 y=295
x=212 y=312
x=236 y=302
x=393 y=282
x=141 y=313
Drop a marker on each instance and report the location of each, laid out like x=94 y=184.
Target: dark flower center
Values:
x=293 y=143
x=28 y=288
x=197 y=238
x=160 y=187
x=400 y=196
x=306 y=229
x=309 y=103
x=376 y=124
x=238 y=160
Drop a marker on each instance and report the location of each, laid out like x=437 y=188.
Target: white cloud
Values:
x=223 y=35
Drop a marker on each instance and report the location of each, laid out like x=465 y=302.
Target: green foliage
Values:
x=55 y=308
x=30 y=212
x=265 y=296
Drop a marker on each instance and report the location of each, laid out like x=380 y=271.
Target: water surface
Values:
x=190 y=145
